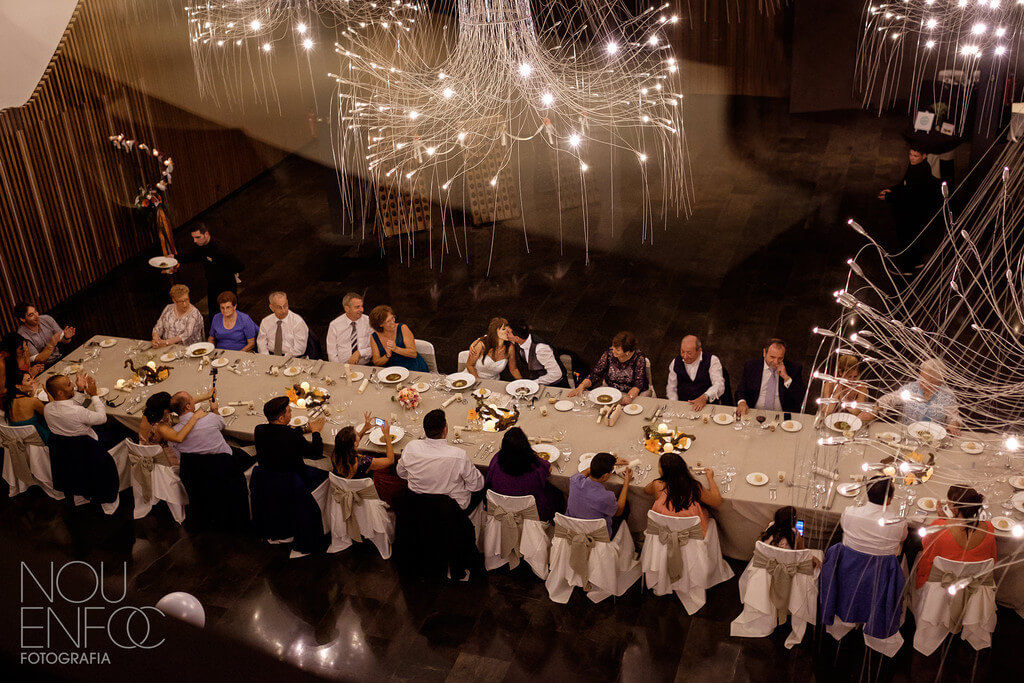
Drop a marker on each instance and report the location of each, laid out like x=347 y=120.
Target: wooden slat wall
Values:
x=65 y=192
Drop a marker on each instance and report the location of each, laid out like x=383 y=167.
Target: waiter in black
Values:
x=221 y=265
x=695 y=376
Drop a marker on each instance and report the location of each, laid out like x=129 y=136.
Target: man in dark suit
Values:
x=281 y=448
x=771 y=383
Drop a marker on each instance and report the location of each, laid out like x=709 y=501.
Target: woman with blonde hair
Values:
x=180 y=322
x=493 y=353
x=850 y=389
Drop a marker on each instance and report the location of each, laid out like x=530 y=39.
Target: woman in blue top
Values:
x=231 y=329
x=22 y=406
x=393 y=344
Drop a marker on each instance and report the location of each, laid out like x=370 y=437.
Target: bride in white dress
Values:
x=491 y=354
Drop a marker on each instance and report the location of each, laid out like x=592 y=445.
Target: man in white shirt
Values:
x=348 y=337
x=66 y=416
x=535 y=359
x=869 y=528
x=432 y=465
x=283 y=332
x=694 y=376
x=771 y=382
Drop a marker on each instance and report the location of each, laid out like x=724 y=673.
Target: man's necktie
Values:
x=771 y=396
x=355 y=340
x=279 y=339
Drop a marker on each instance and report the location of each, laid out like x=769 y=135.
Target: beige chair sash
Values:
x=961 y=597
x=781 y=574
x=580 y=545
x=348 y=499
x=17 y=451
x=511 y=528
x=142 y=470
x=674 y=541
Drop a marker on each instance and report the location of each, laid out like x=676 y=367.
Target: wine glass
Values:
x=760 y=419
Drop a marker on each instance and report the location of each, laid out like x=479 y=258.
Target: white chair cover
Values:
x=164 y=480
x=426 y=350
x=375 y=522
x=463 y=359
x=27 y=461
x=611 y=567
x=518 y=516
x=760 y=615
x=702 y=562
x=937 y=611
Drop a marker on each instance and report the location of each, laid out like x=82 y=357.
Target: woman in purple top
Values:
x=516 y=470
x=231 y=329
x=622 y=367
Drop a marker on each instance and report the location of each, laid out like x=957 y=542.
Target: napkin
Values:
x=826 y=473
x=615 y=415
x=348 y=374
x=448 y=402
x=362 y=387
x=601 y=414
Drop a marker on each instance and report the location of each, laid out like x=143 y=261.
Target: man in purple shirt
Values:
x=206 y=437
x=588 y=497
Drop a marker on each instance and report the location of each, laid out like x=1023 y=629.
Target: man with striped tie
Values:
x=348 y=337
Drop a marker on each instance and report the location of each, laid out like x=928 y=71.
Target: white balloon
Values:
x=183 y=606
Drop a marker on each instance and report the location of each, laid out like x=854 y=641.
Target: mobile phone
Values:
x=378 y=421
x=800 y=526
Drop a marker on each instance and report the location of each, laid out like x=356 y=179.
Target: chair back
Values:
x=462 y=360
x=963 y=569
x=426 y=351
x=217 y=491
x=726 y=398
x=142 y=451
x=650 y=378
x=314 y=349
x=82 y=467
x=566 y=361
x=673 y=523
x=25 y=434
x=275 y=500
x=512 y=529
x=22 y=447
x=433 y=536
x=152 y=481
x=351 y=510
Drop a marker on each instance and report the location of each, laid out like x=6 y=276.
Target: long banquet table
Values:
x=746 y=510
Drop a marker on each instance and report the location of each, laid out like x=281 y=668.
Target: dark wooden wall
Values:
x=66 y=193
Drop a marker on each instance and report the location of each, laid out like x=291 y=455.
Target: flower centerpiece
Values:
x=408 y=398
x=305 y=396
x=662 y=439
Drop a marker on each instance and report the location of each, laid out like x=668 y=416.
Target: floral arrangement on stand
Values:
x=408 y=398
x=150 y=198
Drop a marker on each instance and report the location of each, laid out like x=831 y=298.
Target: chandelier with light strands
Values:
x=585 y=80
x=233 y=41
x=944 y=40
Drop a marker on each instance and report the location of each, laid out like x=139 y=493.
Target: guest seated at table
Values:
x=283 y=332
x=180 y=322
x=850 y=389
x=231 y=329
x=206 y=436
x=348 y=337
x=771 y=382
x=534 y=358
x=42 y=333
x=963 y=538
x=588 y=497
x=517 y=470
x=869 y=528
x=678 y=494
x=392 y=344
x=67 y=417
x=432 y=465
x=21 y=405
x=695 y=376
x=283 y=448
x=348 y=462
x=926 y=400
x=622 y=366
x=493 y=353
x=17 y=356
x=782 y=533
x=158 y=425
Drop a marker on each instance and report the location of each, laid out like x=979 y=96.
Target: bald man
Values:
x=283 y=332
x=695 y=376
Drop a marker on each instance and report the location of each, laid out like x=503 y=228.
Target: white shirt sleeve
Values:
x=673 y=381
x=717 y=379
x=332 y=344
x=263 y=338
x=96 y=416
x=552 y=372
x=474 y=481
x=400 y=468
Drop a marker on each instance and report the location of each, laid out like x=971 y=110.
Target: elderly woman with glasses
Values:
x=180 y=322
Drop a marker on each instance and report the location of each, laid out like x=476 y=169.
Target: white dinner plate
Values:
x=972 y=447
x=392 y=375
x=928 y=504
x=757 y=479
x=73 y=369
x=633 y=409
x=168 y=357
x=43 y=396
x=890 y=438
x=724 y=418
x=102 y=391
x=482 y=392
x=107 y=343
x=918 y=430
x=291 y=371
x=421 y=387
x=299 y=421
x=460 y=380
x=853 y=422
x=377 y=435
x=199 y=349
x=162 y=262
x=547 y=449
x=219 y=362
x=522 y=387
x=605 y=396
x=792 y=426
x=1003 y=523
x=585 y=461
x=1017 y=482
x=225 y=411
x=563 y=406
x=1018 y=501
x=848 y=490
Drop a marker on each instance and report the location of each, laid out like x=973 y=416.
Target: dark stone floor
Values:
x=761 y=254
